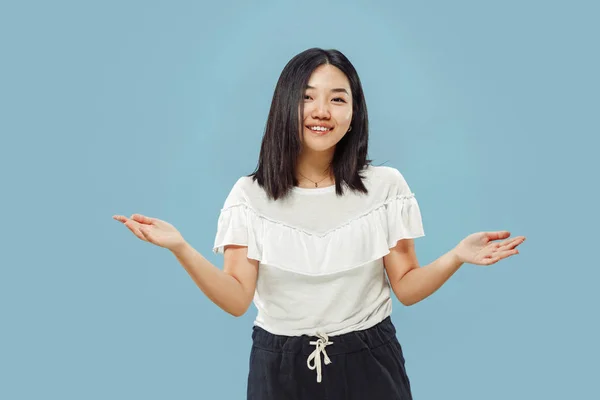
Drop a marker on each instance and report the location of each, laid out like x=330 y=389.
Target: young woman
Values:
x=316 y=236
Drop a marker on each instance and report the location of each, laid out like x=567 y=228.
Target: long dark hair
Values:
x=281 y=143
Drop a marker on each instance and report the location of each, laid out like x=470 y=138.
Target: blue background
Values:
x=489 y=109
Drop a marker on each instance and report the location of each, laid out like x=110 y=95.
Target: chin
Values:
x=320 y=143
x=319 y=146
x=318 y=149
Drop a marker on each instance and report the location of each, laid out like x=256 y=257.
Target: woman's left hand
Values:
x=480 y=248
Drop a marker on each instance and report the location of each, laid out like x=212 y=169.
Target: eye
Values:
x=306 y=97
x=339 y=98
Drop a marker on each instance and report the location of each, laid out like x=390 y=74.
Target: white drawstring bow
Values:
x=315 y=356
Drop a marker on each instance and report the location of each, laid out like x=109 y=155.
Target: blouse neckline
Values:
x=317 y=190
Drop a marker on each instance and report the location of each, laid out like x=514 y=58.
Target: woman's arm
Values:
x=232 y=288
x=412 y=283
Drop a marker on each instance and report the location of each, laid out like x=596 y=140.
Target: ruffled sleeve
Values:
x=237 y=224
x=402 y=211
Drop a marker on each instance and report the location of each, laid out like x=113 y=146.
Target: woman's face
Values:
x=327 y=108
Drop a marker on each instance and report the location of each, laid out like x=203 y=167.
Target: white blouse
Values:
x=320 y=256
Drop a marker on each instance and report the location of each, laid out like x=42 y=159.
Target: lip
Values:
x=317 y=124
x=319 y=133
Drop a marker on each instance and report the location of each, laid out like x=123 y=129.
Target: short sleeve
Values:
x=403 y=214
x=237 y=224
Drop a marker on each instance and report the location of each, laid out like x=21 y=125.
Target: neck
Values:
x=314 y=165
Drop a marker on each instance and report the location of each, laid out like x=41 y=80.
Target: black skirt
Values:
x=360 y=365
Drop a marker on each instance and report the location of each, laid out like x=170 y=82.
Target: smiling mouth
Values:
x=319 y=130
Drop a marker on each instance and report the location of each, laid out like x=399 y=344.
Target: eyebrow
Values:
x=335 y=90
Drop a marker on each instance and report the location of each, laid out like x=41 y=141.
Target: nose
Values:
x=320 y=110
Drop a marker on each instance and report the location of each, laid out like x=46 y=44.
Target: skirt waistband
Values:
x=369 y=338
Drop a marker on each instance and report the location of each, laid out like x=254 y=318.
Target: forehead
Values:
x=327 y=77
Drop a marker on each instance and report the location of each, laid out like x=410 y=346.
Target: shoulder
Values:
x=245 y=191
x=387 y=179
x=383 y=172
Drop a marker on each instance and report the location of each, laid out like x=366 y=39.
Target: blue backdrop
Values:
x=489 y=109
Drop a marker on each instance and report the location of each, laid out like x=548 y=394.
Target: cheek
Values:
x=345 y=117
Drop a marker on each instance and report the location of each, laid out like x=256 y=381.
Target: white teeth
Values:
x=319 y=128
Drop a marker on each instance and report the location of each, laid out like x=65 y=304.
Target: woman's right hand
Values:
x=153 y=230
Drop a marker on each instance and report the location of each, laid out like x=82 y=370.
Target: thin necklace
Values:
x=316 y=183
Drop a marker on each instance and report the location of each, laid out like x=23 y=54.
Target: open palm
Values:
x=152 y=230
x=481 y=249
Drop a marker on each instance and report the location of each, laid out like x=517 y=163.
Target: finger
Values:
x=136 y=232
x=143 y=232
x=497 y=256
x=120 y=218
x=143 y=219
x=497 y=235
x=505 y=253
x=512 y=243
x=135 y=229
x=505 y=243
x=490 y=261
x=146 y=233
